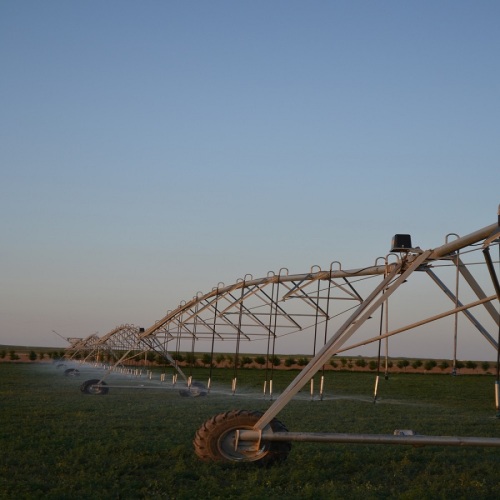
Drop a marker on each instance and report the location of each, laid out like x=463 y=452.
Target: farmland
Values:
x=57 y=442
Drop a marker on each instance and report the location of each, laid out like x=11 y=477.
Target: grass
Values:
x=57 y=443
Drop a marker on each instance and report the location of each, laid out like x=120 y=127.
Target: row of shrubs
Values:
x=12 y=355
x=260 y=360
x=343 y=363
x=403 y=364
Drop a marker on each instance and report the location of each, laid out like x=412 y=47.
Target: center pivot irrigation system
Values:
x=331 y=308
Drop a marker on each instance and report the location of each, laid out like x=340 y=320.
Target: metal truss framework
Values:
x=229 y=437
x=331 y=306
x=118 y=346
x=315 y=303
x=81 y=347
x=281 y=304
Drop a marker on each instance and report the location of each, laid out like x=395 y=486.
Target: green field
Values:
x=58 y=443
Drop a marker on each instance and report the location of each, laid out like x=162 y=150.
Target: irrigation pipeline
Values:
x=399 y=437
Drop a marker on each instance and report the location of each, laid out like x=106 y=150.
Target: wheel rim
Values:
x=247 y=451
x=95 y=389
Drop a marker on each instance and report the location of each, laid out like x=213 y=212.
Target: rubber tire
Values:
x=88 y=387
x=72 y=372
x=213 y=440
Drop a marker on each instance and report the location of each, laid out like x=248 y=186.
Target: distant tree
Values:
x=416 y=364
x=206 y=359
x=13 y=356
x=390 y=364
x=275 y=360
x=302 y=361
x=3 y=353
x=402 y=364
x=471 y=365
x=234 y=361
x=429 y=365
x=260 y=360
x=41 y=355
x=360 y=362
x=32 y=356
x=177 y=356
x=444 y=365
x=343 y=362
x=372 y=365
x=459 y=365
x=485 y=366
x=290 y=361
x=333 y=363
x=246 y=360
x=220 y=358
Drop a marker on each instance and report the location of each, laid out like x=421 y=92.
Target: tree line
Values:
x=246 y=361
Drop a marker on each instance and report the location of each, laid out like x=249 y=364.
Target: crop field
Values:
x=58 y=443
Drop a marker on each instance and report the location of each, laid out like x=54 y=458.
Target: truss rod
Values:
x=478 y=290
x=419 y=323
x=466 y=311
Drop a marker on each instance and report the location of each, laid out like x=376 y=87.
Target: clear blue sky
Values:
x=150 y=149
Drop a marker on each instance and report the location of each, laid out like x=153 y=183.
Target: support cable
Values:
x=457 y=303
x=316 y=314
x=193 y=343
x=275 y=326
x=238 y=339
x=213 y=343
x=269 y=329
x=273 y=344
x=177 y=352
x=327 y=309
x=377 y=378
x=379 y=354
